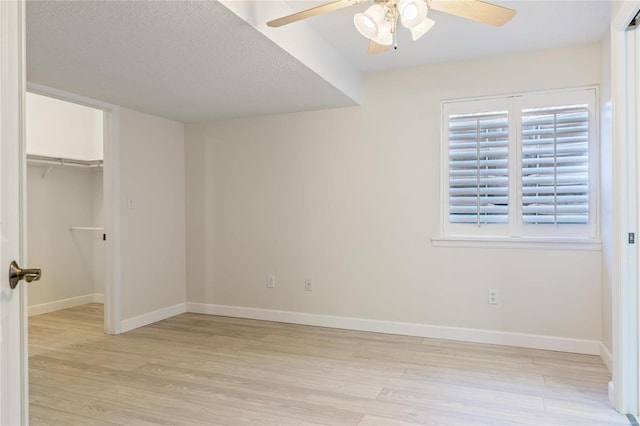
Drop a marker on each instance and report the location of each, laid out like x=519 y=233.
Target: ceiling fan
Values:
x=379 y=22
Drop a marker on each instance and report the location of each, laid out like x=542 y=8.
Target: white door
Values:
x=13 y=350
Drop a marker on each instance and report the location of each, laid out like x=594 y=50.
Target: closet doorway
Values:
x=65 y=198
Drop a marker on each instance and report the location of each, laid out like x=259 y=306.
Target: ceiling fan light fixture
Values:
x=412 y=12
x=370 y=22
x=385 y=36
x=421 y=29
x=379 y=22
x=365 y=25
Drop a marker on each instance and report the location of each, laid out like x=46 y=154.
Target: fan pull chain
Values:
x=395 y=26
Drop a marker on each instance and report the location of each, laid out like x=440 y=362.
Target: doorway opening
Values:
x=65 y=208
x=71 y=219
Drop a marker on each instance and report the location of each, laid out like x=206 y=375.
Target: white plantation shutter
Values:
x=555 y=165
x=521 y=166
x=479 y=168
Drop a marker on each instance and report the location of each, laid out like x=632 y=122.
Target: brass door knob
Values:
x=16 y=274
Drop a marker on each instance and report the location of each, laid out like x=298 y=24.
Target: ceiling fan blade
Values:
x=329 y=7
x=375 y=48
x=475 y=10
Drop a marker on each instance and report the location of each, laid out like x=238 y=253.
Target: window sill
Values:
x=531 y=243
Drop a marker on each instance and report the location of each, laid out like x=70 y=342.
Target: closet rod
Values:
x=84 y=228
x=41 y=159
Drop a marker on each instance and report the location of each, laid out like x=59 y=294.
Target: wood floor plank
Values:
x=484 y=407
x=252 y=385
x=63 y=381
x=524 y=383
x=160 y=399
x=405 y=412
x=484 y=396
x=109 y=360
x=369 y=420
x=45 y=416
x=217 y=394
x=310 y=381
x=197 y=369
x=114 y=411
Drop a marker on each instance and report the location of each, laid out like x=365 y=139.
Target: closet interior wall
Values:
x=71 y=261
x=64 y=190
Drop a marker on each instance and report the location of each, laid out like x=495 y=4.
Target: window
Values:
x=479 y=168
x=521 y=166
x=555 y=165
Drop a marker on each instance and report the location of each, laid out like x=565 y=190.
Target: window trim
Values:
x=531 y=243
x=514 y=237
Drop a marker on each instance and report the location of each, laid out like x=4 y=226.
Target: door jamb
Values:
x=623 y=390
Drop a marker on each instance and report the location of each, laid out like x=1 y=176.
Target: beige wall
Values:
x=152 y=239
x=350 y=197
x=99 y=246
x=63 y=129
x=62 y=199
x=198 y=216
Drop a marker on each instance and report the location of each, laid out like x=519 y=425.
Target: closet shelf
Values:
x=59 y=161
x=85 y=228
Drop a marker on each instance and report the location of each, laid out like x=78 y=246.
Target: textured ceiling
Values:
x=189 y=61
x=202 y=60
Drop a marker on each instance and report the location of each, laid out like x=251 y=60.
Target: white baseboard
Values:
x=606 y=356
x=151 y=317
x=56 y=305
x=533 y=341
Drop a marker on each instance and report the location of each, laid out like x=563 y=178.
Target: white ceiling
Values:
x=538 y=24
x=199 y=60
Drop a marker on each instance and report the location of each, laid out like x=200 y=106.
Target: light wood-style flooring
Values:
x=207 y=370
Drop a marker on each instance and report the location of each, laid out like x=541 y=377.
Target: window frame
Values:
x=570 y=236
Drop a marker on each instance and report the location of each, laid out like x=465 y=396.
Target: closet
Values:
x=64 y=203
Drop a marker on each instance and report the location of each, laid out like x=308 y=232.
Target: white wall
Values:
x=606 y=191
x=350 y=197
x=62 y=199
x=54 y=136
x=152 y=240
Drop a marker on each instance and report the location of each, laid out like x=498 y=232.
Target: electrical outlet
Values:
x=271 y=281
x=493 y=296
x=308 y=286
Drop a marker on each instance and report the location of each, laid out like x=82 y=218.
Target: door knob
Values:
x=16 y=274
